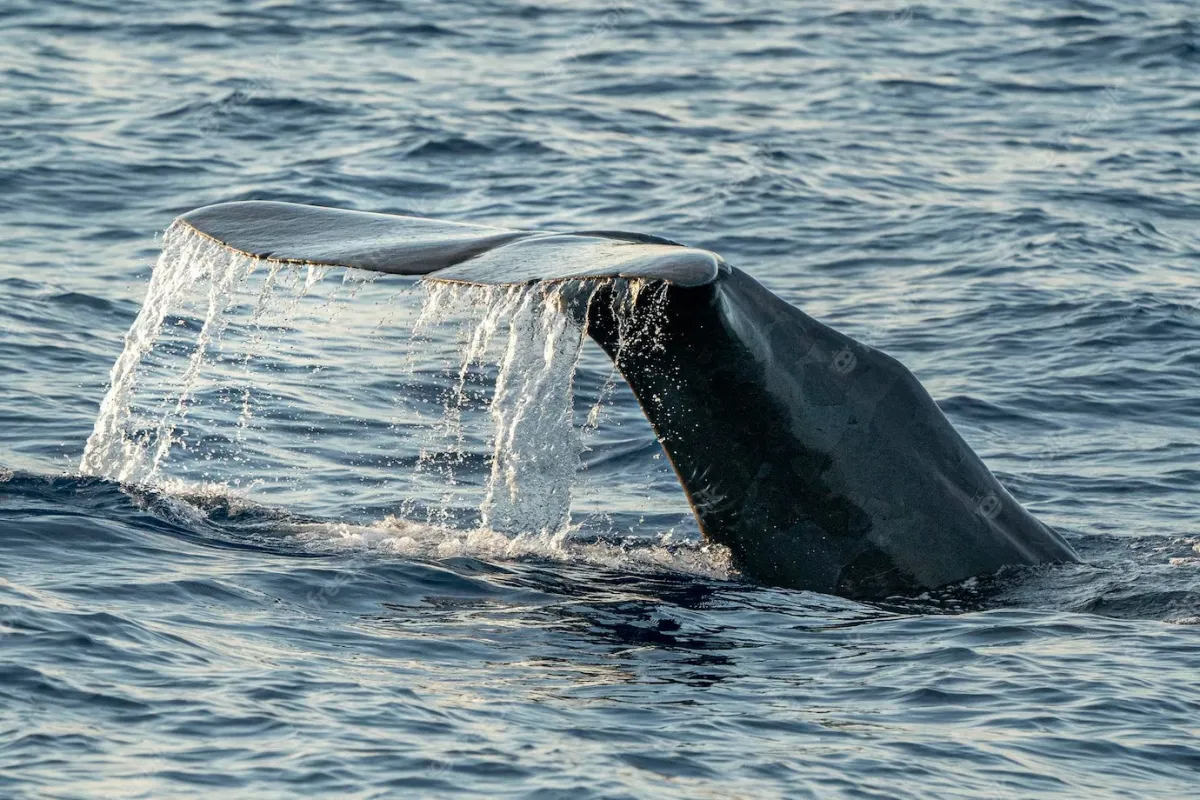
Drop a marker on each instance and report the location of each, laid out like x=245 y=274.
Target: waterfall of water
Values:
x=536 y=447
x=115 y=448
x=131 y=442
x=525 y=334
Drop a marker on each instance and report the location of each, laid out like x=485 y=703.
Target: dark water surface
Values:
x=1005 y=196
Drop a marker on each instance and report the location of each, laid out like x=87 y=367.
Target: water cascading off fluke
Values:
x=530 y=334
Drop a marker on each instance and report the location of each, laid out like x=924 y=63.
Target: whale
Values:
x=821 y=463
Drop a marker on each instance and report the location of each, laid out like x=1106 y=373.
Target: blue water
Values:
x=1005 y=196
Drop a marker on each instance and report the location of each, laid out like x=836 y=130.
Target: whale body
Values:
x=821 y=463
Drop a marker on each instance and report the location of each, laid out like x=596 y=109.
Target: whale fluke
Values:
x=821 y=463
x=401 y=245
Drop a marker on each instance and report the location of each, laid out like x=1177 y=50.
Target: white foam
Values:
x=395 y=537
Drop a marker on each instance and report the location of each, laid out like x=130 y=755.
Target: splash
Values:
x=393 y=536
x=535 y=446
x=113 y=450
x=195 y=284
x=221 y=375
x=534 y=450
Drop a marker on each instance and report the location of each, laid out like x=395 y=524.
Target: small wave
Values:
x=392 y=34
x=1066 y=21
x=669 y=84
x=217 y=514
x=81 y=300
x=1175 y=606
x=977 y=410
x=466 y=146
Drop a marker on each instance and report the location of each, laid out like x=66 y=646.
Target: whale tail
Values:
x=446 y=251
x=821 y=463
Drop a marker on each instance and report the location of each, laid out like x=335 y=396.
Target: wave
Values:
x=221 y=516
x=1154 y=577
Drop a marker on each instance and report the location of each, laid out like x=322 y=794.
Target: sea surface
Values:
x=285 y=576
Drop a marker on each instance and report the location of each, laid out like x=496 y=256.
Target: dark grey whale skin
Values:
x=821 y=463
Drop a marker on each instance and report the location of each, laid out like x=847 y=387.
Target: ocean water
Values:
x=301 y=558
